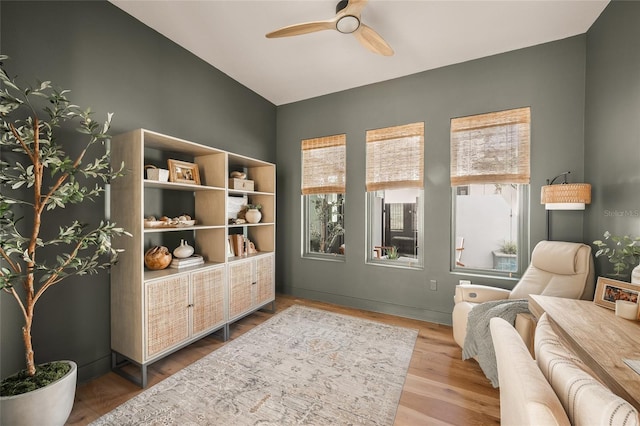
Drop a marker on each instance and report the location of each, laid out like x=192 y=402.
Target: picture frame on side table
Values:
x=608 y=291
x=183 y=172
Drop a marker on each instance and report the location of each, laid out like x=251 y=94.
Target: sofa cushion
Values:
x=526 y=398
x=585 y=399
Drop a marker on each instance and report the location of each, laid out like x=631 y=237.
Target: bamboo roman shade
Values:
x=395 y=157
x=324 y=165
x=491 y=148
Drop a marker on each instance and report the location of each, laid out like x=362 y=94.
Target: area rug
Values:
x=303 y=366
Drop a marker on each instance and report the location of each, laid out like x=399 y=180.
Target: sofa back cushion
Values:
x=585 y=400
x=526 y=398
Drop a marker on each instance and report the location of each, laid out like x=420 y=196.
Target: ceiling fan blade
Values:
x=305 y=28
x=354 y=7
x=372 y=40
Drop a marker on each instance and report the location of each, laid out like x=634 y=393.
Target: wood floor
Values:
x=440 y=388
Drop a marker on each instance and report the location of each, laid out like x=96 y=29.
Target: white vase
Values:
x=183 y=250
x=253 y=215
x=50 y=405
x=635 y=275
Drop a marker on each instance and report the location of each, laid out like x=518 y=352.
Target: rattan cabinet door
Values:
x=241 y=279
x=208 y=299
x=265 y=279
x=167 y=313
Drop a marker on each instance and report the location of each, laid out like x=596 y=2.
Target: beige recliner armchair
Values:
x=557 y=268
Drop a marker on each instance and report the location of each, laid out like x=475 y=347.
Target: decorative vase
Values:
x=50 y=405
x=253 y=215
x=635 y=275
x=157 y=257
x=183 y=250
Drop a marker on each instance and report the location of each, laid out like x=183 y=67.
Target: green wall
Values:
x=612 y=123
x=113 y=63
x=549 y=78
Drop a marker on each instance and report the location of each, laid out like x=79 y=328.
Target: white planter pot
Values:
x=50 y=405
x=253 y=215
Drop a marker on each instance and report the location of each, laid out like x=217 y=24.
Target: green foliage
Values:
x=22 y=382
x=623 y=253
x=392 y=253
x=509 y=247
x=37 y=178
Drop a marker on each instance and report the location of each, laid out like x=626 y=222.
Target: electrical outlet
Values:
x=433 y=285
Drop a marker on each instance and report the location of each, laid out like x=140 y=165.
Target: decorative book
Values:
x=186 y=262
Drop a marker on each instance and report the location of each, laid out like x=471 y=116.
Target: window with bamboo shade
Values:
x=323 y=186
x=394 y=184
x=490 y=174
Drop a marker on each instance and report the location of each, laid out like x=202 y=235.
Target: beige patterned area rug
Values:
x=304 y=366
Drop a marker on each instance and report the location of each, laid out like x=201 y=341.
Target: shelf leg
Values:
x=117 y=365
x=272 y=309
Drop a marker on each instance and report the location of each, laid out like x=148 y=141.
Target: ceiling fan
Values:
x=346 y=21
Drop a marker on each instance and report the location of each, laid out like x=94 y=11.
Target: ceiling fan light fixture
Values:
x=347 y=24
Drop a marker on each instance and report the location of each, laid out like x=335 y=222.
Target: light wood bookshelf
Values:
x=156 y=312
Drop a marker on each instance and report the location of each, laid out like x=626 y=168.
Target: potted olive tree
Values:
x=37 y=178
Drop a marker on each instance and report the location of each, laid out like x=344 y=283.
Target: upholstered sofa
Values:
x=557 y=268
x=555 y=389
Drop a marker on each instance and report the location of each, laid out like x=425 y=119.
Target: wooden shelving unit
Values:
x=156 y=312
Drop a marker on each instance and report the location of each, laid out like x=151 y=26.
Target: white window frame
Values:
x=478 y=140
x=306 y=231
x=323 y=167
x=523 y=236
x=373 y=208
x=395 y=161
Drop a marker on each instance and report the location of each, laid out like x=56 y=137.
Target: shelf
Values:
x=167 y=272
x=181 y=228
x=248 y=256
x=242 y=225
x=162 y=142
x=179 y=186
x=241 y=192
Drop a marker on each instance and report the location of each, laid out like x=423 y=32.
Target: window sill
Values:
x=399 y=263
x=509 y=277
x=325 y=257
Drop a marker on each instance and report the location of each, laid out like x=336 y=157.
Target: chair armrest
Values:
x=479 y=293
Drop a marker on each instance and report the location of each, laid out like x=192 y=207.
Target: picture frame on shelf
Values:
x=183 y=172
x=608 y=291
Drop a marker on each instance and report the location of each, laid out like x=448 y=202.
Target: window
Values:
x=395 y=181
x=323 y=194
x=490 y=175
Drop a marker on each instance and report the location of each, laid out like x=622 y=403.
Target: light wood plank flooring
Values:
x=440 y=388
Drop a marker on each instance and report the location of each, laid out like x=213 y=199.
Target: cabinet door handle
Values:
x=190 y=305
x=254 y=283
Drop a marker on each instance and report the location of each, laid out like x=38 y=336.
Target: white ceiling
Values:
x=425 y=34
